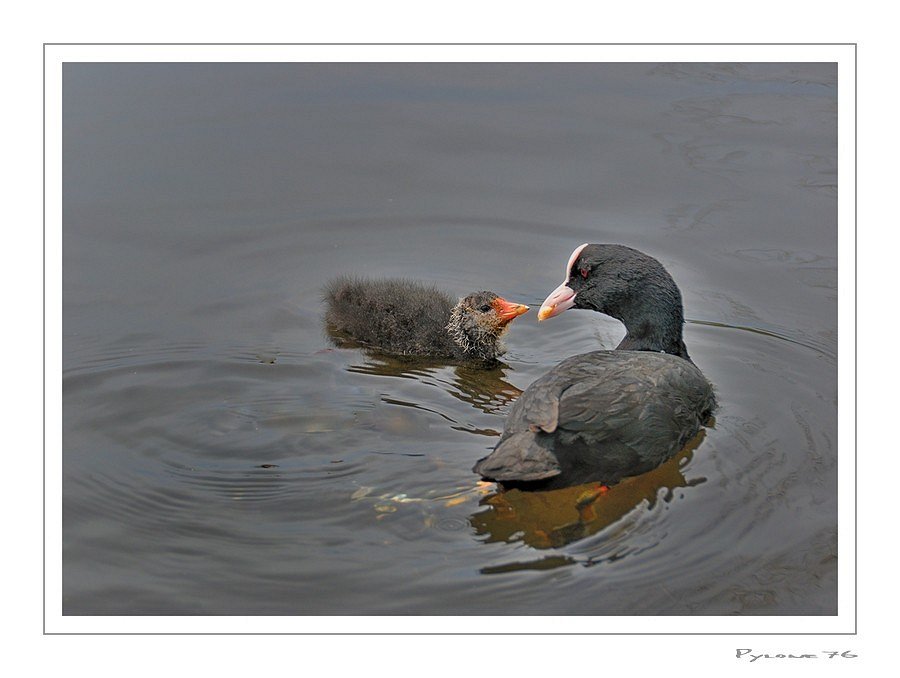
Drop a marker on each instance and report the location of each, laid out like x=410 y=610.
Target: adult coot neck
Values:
x=652 y=341
x=654 y=323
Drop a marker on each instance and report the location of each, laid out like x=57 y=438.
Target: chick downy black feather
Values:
x=409 y=318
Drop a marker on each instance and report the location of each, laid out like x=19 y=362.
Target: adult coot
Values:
x=408 y=318
x=605 y=415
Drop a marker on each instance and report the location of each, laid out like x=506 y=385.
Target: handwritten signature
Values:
x=825 y=654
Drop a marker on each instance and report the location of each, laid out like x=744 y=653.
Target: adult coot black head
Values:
x=605 y=415
x=408 y=318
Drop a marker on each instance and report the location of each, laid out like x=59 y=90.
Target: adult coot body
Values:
x=409 y=318
x=605 y=415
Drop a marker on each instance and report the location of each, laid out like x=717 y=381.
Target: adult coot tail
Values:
x=605 y=415
x=408 y=318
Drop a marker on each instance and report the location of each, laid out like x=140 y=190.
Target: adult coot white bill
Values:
x=605 y=415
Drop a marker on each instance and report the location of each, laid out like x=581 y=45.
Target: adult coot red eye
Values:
x=605 y=415
x=409 y=318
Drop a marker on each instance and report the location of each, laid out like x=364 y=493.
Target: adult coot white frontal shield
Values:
x=563 y=297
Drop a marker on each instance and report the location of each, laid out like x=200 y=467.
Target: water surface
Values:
x=222 y=456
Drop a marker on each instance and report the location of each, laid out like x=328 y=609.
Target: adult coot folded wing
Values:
x=408 y=318
x=605 y=415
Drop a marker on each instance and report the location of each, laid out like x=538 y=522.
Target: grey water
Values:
x=222 y=456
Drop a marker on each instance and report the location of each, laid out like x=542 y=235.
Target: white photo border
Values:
x=843 y=54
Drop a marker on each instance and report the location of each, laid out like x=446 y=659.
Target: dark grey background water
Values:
x=221 y=457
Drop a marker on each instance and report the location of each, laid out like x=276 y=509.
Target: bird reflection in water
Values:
x=484 y=387
x=558 y=517
x=542 y=520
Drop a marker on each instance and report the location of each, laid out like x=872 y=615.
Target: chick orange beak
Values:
x=508 y=310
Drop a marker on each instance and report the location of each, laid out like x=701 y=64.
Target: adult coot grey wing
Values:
x=408 y=318
x=605 y=415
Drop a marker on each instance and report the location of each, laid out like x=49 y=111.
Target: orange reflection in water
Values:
x=557 y=517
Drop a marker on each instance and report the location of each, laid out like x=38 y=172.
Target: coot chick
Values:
x=409 y=318
x=606 y=415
